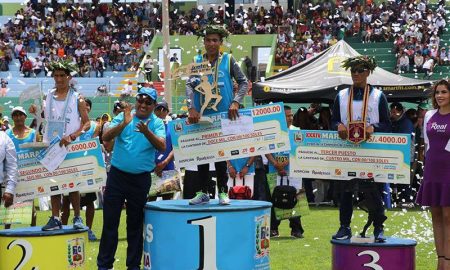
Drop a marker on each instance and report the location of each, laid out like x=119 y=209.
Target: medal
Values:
x=357 y=129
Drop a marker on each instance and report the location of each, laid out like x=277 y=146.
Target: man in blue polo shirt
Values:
x=138 y=133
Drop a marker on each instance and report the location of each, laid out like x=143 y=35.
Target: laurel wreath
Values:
x=361 y=60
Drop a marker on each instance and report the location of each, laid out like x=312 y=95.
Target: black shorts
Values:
x=87 y=198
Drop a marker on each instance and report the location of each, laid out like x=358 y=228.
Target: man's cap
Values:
x=151 y=92
x=397 y=105
x=19 y=109
x=5 y=118
x=423 y=105
x=163 y=105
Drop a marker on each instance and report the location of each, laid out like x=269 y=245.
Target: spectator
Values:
x=3 y=87
x=130 y=179
x=174 y=58
x=428 y=67
x=148 y=67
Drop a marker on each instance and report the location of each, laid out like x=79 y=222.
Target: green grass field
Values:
x=312 y=252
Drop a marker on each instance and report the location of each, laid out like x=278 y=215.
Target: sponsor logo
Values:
x=90 y=182
x=313 y=135
x=178 y=127
x=262 y=236
x=75 y=252
x=85 y=173
x=370 y=175
x=20 y=195
x=235 y=152
x=320 y=172
x=281 y=144
x=54 y=188
x=271 y=146
x=362 y=174
x=269 y=137
x=438 y=128
x=351 y=174
x=262 y=148
x=98 y=180
x=41 y=189
x=390 y=176
x=221 y=153
x=244 y=151
x=301 y=171
x=71 y=185
x=252 y=149
x=379 y=175
x=400 y=176
x=64 y=186
x=298 y=137
x=337 y=171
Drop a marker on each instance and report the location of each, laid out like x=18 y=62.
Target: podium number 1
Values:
x=375 y=258
x=207 y=237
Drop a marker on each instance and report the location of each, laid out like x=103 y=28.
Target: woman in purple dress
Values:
x=435 y=188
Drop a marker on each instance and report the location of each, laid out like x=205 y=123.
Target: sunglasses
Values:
x=358 y=70
x=141 y=99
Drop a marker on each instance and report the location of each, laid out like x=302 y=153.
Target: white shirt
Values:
x=8 y=163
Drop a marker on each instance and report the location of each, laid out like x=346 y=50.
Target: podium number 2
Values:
x=375 y=258
x=27 y=250
x=207 y=237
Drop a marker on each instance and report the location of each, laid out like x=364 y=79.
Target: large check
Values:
x=83 y=169
x=196 y=144
x=323 y=155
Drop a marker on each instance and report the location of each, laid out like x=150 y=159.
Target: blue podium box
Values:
x=181 y=236
x=32 y=248
x=394 y=254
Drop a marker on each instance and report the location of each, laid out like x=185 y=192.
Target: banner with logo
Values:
x=83 y=169
x=18 y=213
x=323 y=155
x=262 y=130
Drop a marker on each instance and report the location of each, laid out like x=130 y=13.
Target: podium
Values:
x=210 y=236
x=394 y=254
x=32 y=248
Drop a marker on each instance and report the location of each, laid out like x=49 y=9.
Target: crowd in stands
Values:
x=416 y=31
x=97 y=37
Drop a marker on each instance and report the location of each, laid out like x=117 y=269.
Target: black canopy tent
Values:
x=319 y=79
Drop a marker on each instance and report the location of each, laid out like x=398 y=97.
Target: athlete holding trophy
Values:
x=359 y=111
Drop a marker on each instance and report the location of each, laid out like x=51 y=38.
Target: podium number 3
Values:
x=207 y=237
x=27 y=250
x=375 y=258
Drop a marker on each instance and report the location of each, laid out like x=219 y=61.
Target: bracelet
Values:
x=229 y=167
x=73 y=137
x=247 y=165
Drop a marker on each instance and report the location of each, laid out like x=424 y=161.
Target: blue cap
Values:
x=151 y=92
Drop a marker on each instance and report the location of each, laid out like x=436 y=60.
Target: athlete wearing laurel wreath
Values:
x=359 y=111
x=214 y=93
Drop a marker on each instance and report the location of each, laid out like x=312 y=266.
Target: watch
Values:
x=73 y=137
x=247 y=165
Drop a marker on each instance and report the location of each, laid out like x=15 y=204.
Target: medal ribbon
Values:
x=364 y=106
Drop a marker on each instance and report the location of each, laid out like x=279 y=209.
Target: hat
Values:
x=397 y=105
x=163 y=105
x=151 y=92
x=5 y=118
x=423 y=105
x=18 y=109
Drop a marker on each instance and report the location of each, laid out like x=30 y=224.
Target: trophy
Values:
x=34 y=92
x=210 y=91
